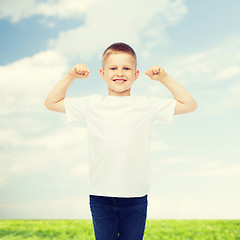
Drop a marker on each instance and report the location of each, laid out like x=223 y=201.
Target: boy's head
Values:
x=119 y=65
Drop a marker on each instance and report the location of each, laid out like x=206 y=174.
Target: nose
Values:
x=119 y=73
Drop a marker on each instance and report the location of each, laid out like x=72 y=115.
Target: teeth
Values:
x=119 y=81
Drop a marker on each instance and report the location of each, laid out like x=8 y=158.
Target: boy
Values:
x=119 y=130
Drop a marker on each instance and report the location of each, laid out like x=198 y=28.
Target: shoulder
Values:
x=156 y=99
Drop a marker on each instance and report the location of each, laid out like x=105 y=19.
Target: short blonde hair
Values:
x=116 y=48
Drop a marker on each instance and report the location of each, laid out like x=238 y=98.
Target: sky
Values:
x=194 y=162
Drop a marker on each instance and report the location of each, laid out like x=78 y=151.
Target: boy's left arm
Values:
x=185 y=102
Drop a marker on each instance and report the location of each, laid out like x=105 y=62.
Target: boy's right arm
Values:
x=55 y=99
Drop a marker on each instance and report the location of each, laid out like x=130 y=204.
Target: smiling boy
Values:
x=119 y=71
x=119 y=135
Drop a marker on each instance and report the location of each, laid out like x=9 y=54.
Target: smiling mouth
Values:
x=119 y=80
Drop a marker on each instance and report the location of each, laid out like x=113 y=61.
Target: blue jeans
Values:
x=117 y=218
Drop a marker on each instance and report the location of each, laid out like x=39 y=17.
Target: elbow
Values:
x=194 y=106
x=46 y=105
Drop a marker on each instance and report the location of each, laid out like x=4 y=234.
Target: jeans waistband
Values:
x=120 y=201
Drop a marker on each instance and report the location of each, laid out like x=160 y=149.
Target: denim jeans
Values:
x=118 y=218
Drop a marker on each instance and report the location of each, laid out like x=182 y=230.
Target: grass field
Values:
x=155 y=229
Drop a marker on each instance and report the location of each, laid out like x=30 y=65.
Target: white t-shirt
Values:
x=119 y=134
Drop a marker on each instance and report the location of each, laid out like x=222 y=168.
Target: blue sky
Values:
x=195 y=169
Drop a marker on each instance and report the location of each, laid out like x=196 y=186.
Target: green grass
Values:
x=155 y=229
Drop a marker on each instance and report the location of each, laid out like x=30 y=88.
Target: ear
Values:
x=136 y=74
x=102 y=74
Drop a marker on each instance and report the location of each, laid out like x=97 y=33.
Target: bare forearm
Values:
x=59 y=91
x=178 y=91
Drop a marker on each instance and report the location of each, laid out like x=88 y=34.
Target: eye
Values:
x=112 y=68
x=127 y=68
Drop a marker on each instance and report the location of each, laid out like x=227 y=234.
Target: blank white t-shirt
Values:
x=119 y=135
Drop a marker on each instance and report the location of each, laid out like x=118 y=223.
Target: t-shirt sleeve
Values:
x=162 y=109
x=76 y=108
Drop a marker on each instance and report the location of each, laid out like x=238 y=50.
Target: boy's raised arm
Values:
x=55 y=98
x=185 y=102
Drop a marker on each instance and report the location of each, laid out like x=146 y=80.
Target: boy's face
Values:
x=119 y=66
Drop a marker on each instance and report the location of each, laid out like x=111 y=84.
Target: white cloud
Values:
x=159 y=146
x=60 y=138
x=197 y=166
x=66 y=148
x=15 y=10
x=181 y=160
x=25 y=83
x=109 y=21
x=211 y=65
x=214 y=170
x=79 y=170
x=235 y=89
x=228 y=72
x=19 y=10
x=63 y=8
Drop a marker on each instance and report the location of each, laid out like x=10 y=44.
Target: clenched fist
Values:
x=79 y=71
x=156 y=73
